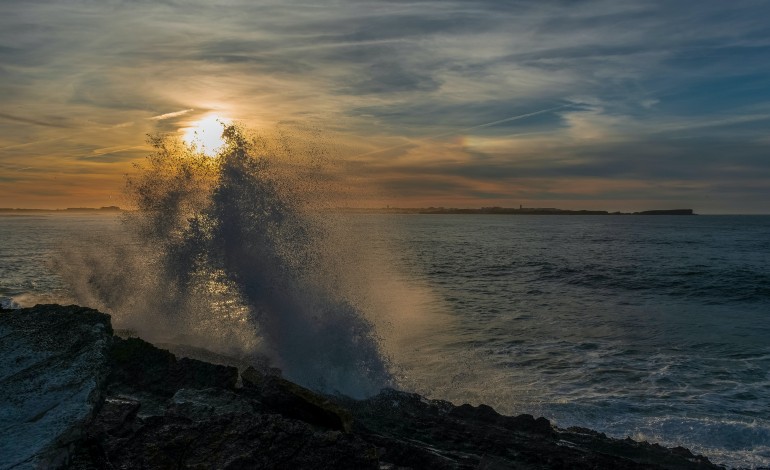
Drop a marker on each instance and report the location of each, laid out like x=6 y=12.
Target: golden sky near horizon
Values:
x=597 y=104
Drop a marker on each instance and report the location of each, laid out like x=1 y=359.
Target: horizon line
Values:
x=394 y=208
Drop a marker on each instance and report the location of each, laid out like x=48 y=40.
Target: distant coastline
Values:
x=515 y=211
x=6 y=210
x=408 y=210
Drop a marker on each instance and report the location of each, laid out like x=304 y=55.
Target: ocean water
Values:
x=656 y=327
x=29 y=245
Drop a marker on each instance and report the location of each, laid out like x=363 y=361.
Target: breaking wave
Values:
x=240 y=253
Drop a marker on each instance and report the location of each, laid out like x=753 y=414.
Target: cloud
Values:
x=173 y=114
x=652 y=91
x=55 y=122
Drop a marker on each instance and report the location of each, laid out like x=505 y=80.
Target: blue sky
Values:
x=613 y=105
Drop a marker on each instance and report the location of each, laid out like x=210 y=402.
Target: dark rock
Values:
x=414 y=432
x=590 y=432
x=215 y=427
x=72 y=395
x=53 y=365
x=198 y=405
x=115 y=417
x=481 y=413
x=137 y=365
x=289 y=399
x=234 y=441
x=204 y=355
x=486 y=414
x=528 y=424
x=414 y=454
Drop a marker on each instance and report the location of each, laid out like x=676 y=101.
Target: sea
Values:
x=650 y=327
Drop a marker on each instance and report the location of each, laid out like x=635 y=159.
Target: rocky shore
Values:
x=74 y=395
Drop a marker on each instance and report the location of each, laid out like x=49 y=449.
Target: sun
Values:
x=206 y=134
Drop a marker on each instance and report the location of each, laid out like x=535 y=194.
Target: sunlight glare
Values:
x=206 y=134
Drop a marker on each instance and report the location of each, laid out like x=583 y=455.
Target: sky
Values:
x=579 y=104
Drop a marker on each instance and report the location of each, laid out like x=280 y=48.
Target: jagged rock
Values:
x=522 y=423
x=289 y=399
x=209 y=403
x=237 y=441
x=60 y=406
x=218 y=426
x=138 y=365
x=204 y=355
x=115 y=417
x=640 y=452
x=52 y=364
x=414 y=432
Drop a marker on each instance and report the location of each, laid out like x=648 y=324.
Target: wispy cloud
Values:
x=174 y=114
x=653 y=91
x=25 y=120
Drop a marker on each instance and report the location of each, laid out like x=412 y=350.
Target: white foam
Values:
x=8 y=303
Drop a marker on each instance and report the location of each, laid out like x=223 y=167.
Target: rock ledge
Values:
x=74 y=396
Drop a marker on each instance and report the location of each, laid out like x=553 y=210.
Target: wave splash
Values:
x=234 y=253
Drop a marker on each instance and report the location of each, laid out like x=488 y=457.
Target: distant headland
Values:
x=67 y=210
x=407 y=210
x=517 y=211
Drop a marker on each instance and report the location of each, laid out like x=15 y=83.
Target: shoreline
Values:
x=101 y=400
x=69 y=210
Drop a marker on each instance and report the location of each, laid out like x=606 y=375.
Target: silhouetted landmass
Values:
x=412 y=210
x=519 y=211
x=67 y=210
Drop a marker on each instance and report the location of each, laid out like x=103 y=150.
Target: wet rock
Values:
x=413 y=432
x=269 y=423
x=210 y=403
x=53 y=361
x=72 y=395
x=115 y=417
x=289 y=399
x=137 y=365
x=486 y=414
x=232 y=440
